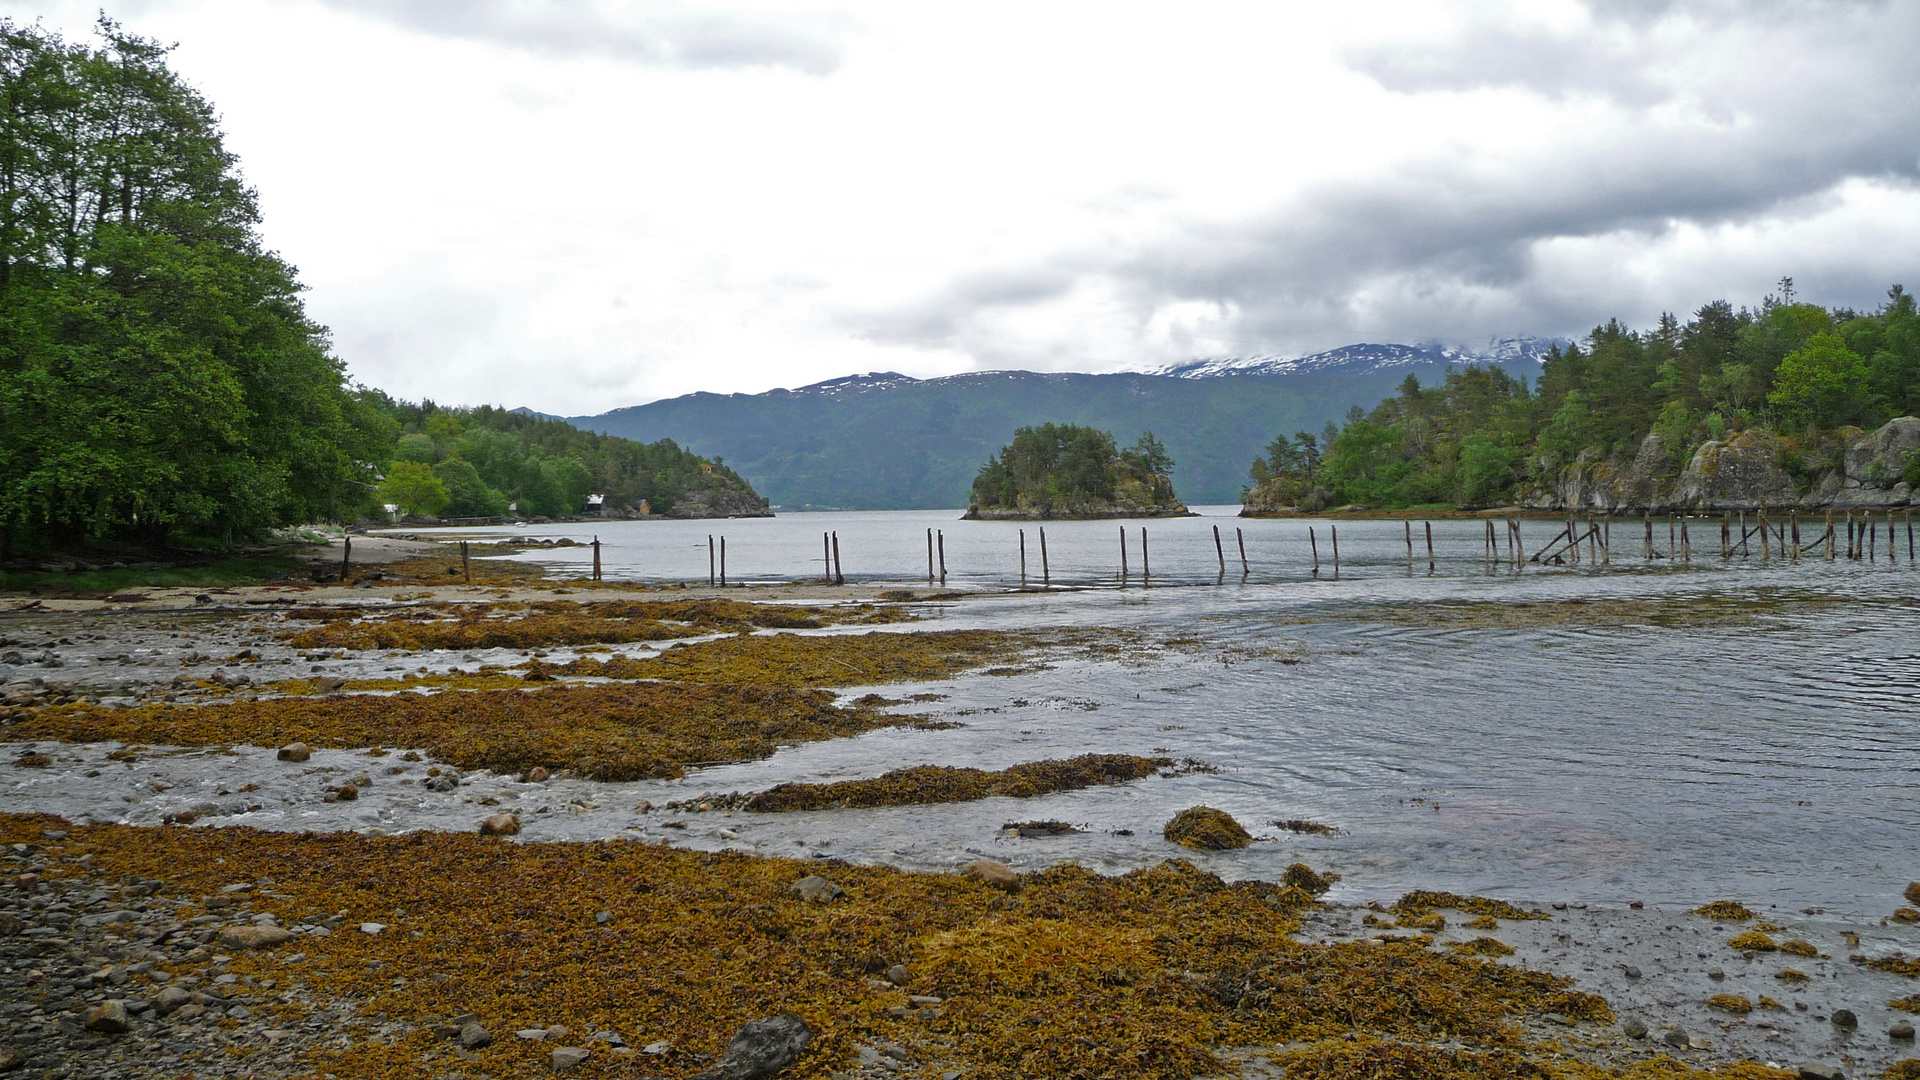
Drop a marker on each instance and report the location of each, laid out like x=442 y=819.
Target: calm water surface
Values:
x=1769 y=755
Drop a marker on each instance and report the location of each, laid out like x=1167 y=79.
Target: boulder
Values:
x=500 y=825
x=537 y=775
x=253 y=937
x=993 y=874
x=169 y=999
x=816 y=890
x=568 y=1058
x=761 y=1048
x=298 y=751
x=108 y=1018
x=348 y=792
x=1877 y=458
x=1845 y=1020
x=472 y=1036
x=1203 y=828
x=1741 y=472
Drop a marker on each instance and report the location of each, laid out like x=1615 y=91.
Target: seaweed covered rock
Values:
x=993 y=874
x=1302 y=876
x=1203 y=828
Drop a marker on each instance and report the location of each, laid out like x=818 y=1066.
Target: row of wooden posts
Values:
x=1563 y=547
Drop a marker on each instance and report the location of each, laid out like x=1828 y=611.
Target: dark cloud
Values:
x=1706 y=121
x=661 y=35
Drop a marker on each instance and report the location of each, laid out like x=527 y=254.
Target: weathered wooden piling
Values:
x=1593 y=541
x=1023 y=558
x=1873 y=534
x=1220 y=551
x=466 y=567
x=1146 y=568
x=839 y=576
x=1246 y=570
x=596 y=558
x=712 y=560
x=1647 y=542
x=1606 y=538
x=1671 y=538
x=1123 y=554
x=1794 y=518
x=940 y=538
x=1766 y=537
x=1829 y=537
x=1408 y=522
x=1334 y=532
x=1315 y=546
x=1909 y=536
x=1726 y=535
x=1046 y=576
x=1686 y=542
x=929 y=556
x=1429 y=526
x=723 y=557
x=346 y=556
x=826 y=559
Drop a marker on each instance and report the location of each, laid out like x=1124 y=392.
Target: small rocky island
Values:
x=1065 y=471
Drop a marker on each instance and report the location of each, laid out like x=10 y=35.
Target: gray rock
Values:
x=108 y=1018
x=1633 y=1028
x=816 y=890
x=472 y=1036
x=1815 y=1071
x=898 y=975
x=762 y=1048
x=1901 y=1031
x=568 y=1058
x=441 y=784
x=295 y=752
x=1630 y=971
x=1677 y=1039
x=532 y=1034
x=1845 y=1020
x=1716 y=974
x=170 y=999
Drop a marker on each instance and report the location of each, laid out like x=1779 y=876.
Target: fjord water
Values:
x=1741 y=727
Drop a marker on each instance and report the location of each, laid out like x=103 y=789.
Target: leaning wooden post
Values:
x=839 y=577
x=1023 y=558
x=1146 y=567
x=1408 y=522
x=1246 y=571
x=596 y=557
x=1315 y=545
x=941 y=538
x=1429 y=526
x=929 y=556
x=1334 y=532
x=1220 y=551
x=1123 y=554
x=346 y=556
x=466 y=567
x=1046 y=576
x=723 y=559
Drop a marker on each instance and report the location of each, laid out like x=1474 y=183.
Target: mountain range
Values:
x=886 y=441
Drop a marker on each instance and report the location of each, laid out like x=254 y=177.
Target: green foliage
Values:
x=414 y=489
x=159 y=379
x=1481 y=435
x=467 y=494
x=1062 y=464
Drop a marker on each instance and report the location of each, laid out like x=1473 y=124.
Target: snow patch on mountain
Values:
x=1367 y=357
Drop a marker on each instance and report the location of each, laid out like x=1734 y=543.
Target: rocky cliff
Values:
x=1748 y=470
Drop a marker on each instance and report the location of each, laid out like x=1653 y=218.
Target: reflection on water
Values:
x=1763 y=748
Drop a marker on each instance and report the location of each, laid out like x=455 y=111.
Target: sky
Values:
x=578 y=205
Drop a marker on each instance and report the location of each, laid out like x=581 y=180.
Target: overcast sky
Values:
x=578 y=205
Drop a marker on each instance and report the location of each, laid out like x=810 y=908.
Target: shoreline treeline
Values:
x=1623 y=402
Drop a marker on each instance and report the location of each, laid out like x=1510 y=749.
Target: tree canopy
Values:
x=1070 y=464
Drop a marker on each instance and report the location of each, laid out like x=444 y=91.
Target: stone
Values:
x=898 y=975
x=372 y=927
x=258 y=936
x=1633 y=1028
x=108 y=1018
x=1845 y=1020
x=347 y=792
x=472 y=1036
x=169 y=999
x=602 y=918
x=657 y=1047
x=362 y=780
x=568 y=1058
x=11 y=1059
x=192 y=1011
x=537 y=775
x=1677 y=1039
x=1630 y=971
x=761 y=1048
x=993 y=874
x=1901 y=1031
x=815 y=889
x=500 y=825
x=1815 y=1071
x=532 y=1034
x=441 y=785
x=298 y=751
x=1716 y=974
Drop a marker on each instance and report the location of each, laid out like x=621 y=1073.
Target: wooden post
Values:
x=1315 y=545
x=711 y=557
x=1766 y=535
x=941 y=538
x=1123 y=554
x=1647 y=519
x=1795 y=519
x=346 y=555
x=1593 y=542
x=1829 y=536
x=1146 y=567
x=1023 y=558
x=1850 y=541
x=1606 y=538
x=596 y=557
x=1429 y=526
x=929 y=556
x=1573 y=540
x=1744 y=534
x=839 y=576
x=466 y=567
x=1909 y=536
x=1518 y=547
x=1726 y=535
x=1873 y=533
x=826 y=560
x=1247 y=571
x=1686 y=542
x=1220 y=551
x=1334 y=531
x=1408 y=522
x=1670 y=538
x=1046 y=577
x=723 y=559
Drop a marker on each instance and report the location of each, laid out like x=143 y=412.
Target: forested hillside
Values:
x=1065 y=470
x=160 y=381
x=1786 y=388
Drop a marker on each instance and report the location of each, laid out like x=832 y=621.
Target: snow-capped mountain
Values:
x=1366 y=357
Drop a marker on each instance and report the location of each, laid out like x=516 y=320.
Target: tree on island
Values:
x=1069 y=470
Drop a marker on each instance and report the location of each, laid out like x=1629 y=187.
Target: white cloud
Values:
x=580 y=205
